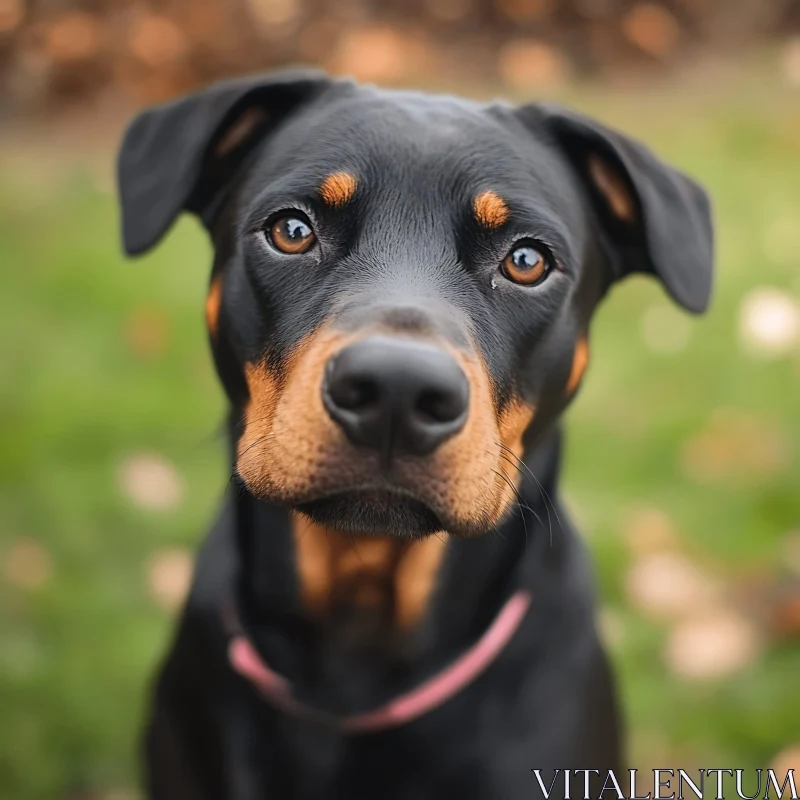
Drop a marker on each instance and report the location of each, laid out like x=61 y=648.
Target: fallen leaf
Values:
x=169 y=576
x=769 y=322
x=714 y=644
x=528 y=63
x=669 y=585
x=12 y=13
x=157 y=40
x=524 y=11
x=735 y=446
x=372 y=53
x=73 y=37
x=147 y=332
x=791 y=61
x=652 y=29
x=787 y=759
x=151 y=482
x=27 y=564
x=649 y=530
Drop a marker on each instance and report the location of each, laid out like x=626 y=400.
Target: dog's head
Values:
x=403 y=283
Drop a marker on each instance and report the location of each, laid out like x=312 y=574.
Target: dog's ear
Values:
x=181 y=155
x=654 y=218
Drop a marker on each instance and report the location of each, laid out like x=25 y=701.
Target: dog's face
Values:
x=403 y=283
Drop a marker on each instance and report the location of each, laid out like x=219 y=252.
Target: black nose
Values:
x=397 y=396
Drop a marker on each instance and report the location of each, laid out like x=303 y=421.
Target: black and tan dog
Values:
x=393 y=603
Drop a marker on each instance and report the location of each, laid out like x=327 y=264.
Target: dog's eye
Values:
x=525 y=265
x=291 y=234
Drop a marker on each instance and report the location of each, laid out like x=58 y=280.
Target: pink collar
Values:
x=429 y=695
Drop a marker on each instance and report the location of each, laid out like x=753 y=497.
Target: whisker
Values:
x=542 y=490
x=522 y=506
x=513 y=464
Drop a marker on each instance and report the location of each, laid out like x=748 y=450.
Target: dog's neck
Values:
x=351 y=621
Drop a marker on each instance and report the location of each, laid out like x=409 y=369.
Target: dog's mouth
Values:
x=374 y=511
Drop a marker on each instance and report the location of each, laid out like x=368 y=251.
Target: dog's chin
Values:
x=373 y=513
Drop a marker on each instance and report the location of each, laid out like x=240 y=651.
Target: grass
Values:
x=101 y=360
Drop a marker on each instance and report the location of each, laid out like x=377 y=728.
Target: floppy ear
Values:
x=655 y=219
x=183 y=154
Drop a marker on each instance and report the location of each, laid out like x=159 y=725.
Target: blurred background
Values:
x=683 y=462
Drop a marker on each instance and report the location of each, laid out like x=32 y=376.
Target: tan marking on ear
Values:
x=240 y=130
x=490 y=209
x=580 y=360
x=415 y=578
x=613 y=188
x=213 y=303
x=338 y=188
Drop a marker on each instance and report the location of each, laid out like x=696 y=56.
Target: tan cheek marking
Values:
x=513 y=424
x=415 y=578
x=338 y=188
x=258 y=415
x=580 y=360
x=613 y=188
x=285 y=424
x=490 y=209
x=213 y=302
x=240 y=130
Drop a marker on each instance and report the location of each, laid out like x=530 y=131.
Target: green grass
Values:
x=77 y=399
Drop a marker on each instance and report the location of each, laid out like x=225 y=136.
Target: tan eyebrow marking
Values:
x=490 y=209
x=338 y=188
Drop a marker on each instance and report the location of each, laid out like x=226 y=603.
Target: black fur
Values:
x=408 y=241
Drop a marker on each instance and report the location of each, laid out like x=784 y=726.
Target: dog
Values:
x=393 y=602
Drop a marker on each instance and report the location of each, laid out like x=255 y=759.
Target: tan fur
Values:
x=415 y=578
x=613 y=189
x=240 y=130
x=580 y=360
x=513 y=424
x=376 y=572
x=213 y=302
x=490 y=209
x=312 y=561
x=338 y=188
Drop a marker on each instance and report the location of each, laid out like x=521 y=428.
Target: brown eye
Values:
x=291 y=234
x=525 y=265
